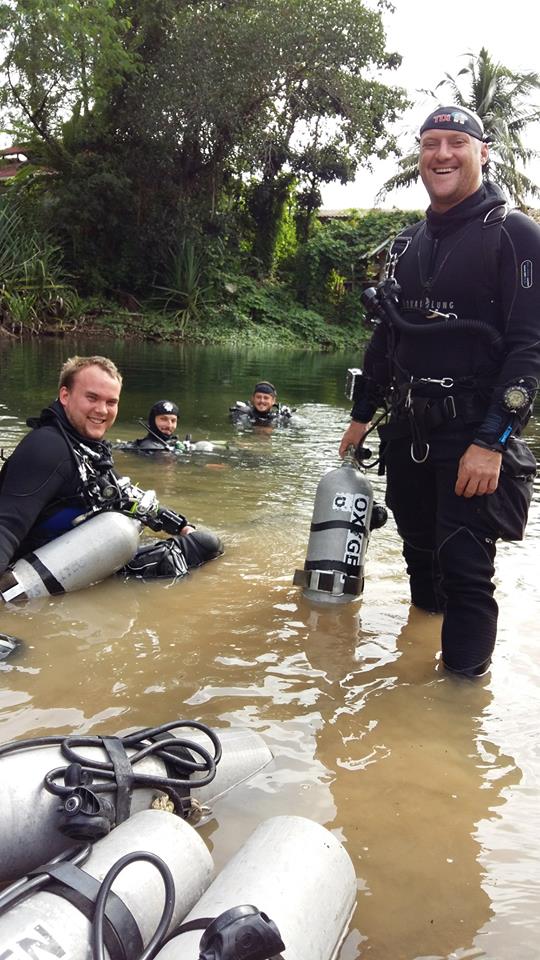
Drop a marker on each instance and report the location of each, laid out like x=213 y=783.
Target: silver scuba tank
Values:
x=298 y=874
x=340 y=526
x=88 y=553
x=32 y=822
x=46 y=923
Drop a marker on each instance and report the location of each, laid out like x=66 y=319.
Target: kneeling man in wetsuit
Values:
x=57 y=471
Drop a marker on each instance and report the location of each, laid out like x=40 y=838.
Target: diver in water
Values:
x=262 y=409
x=162 y=423
x=161 y=436
x=62 y=472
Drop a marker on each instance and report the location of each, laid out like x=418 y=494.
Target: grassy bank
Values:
x=278 y=321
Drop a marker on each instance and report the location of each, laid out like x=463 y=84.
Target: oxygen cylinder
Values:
x=340 y=526
x=89 y=552
x=47 y=924
x=298 y=874
x=30 y=818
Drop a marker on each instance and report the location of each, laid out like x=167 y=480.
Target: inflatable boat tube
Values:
x=298 y=874
x=31 y=816
x=47 y=924
x=88 y=553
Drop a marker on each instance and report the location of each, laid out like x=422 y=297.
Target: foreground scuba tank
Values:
x=295 y=873
x=36 y=824
x=89 y=552
x=342 y=520
x=53 y=921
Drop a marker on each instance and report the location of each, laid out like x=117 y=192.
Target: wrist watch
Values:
x=516 y=398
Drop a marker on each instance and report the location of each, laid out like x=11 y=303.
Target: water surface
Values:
x=431 y=782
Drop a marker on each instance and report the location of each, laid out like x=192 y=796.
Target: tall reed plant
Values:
x=34 y=291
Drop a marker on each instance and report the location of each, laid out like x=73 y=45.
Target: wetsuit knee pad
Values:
x=200 y=546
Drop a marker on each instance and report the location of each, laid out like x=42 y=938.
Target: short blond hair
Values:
x=74 y=365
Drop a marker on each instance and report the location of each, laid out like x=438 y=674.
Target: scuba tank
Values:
x=291 y=870
x=54 y=912
x=89 y=552
x=343 y=517
x=54 y=790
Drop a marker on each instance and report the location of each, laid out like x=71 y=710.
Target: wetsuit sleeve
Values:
x=520 y=300
x=371 y=389
x=32 y=478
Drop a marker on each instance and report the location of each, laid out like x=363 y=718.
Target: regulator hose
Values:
x=22 y=889
x=119 y=772
x=97 y=939
x=382 y=301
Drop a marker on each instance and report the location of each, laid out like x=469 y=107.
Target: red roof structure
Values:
x=13 y=159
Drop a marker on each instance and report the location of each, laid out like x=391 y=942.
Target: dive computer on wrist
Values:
x=516 y=398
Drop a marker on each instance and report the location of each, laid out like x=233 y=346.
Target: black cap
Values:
x=265 y=387
x=454 y=118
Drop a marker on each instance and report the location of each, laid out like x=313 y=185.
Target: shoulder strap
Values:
x=488 y=287
x=399 y=246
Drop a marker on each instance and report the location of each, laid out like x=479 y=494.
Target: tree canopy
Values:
x=152 y=117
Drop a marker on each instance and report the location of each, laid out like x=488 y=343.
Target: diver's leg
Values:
x=466 y=553
x=411 y=494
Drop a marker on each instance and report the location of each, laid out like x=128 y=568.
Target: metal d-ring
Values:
x=424 y=458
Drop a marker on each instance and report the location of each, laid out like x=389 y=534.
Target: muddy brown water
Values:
x=432 y=783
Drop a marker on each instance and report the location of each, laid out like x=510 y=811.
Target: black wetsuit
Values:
x=40 y=486
x=245 y=414
x=452 y=266
x=154 y=442
x=42 y=491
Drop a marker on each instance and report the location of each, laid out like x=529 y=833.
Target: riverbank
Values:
x=294 y=328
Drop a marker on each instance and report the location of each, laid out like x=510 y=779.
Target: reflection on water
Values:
x=431 y=782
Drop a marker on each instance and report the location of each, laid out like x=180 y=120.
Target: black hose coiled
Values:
x=176 y=753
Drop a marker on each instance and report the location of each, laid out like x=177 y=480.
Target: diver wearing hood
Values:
x=162 y=423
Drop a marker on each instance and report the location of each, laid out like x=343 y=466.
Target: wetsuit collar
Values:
x=488 y=196
x=55 y=413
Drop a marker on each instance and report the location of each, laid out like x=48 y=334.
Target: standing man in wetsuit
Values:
x=457 y=366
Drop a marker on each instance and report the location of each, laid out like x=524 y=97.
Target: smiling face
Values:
x=263 y=402
x=91 y=403
x=166 y=423
x=450 y=166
